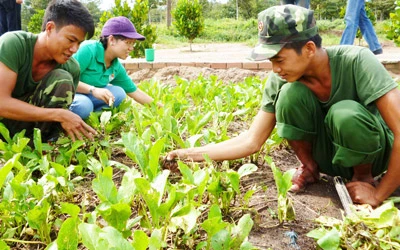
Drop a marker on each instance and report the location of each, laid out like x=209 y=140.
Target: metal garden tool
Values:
x=343 y=194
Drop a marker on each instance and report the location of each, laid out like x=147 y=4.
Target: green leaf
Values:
x=68 y=235
x=154 y=155
x=71 y=209
x=177 y=139
x=187 y=173
x=234 y=179
x=395 y=233
x=5 y=133
x=5 y=170
x=317 y=233
x=3 y=245
x=60 y=169
x=160 y=183
x=247 y=169
x=140 y=240
x=116 y=215
x=247 y=246
x=193 y=140
x=104 y=186
x=242 y=230
x=213 y=225
x=221 y=240
x=105 y=118
x=90 y=235
x=127 y=189
x=114 y=239
x=201 y=178
x=156 y=241
x=330 y=241
x=186 y=218
x=150 y=196
x=37 y=141
x=165 y=208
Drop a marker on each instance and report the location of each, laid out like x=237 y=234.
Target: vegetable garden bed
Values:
x=116 y=193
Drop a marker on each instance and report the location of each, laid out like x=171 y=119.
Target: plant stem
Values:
x=25 y=241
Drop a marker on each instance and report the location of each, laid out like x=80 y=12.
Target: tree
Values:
x=393 y=27
x=169 y=10
x=33 y=11
x=189 y=19
x=93 y=7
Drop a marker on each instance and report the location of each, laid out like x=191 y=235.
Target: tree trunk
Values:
x=237 y=9
x=169 y=18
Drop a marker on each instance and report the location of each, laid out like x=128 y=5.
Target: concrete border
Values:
x=392 y=66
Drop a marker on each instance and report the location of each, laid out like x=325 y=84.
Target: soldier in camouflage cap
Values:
x=280 y=25
x=39 y=77
x=338 y=108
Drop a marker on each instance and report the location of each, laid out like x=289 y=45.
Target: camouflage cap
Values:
x=280 y=25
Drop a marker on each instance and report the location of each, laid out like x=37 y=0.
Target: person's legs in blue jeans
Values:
x=368 y=32
x=351 y=18
x=357 y=17
x=118 y=93
x=82 y=105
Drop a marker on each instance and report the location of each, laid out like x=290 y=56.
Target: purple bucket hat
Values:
x=121 y=26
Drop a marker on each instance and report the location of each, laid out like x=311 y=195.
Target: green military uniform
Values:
x=55 y=90
x=346 y=130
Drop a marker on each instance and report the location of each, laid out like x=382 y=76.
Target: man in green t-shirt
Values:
x=39 y=76
x=338 y=108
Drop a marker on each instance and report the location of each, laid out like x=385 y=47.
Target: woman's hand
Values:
x=104 y=94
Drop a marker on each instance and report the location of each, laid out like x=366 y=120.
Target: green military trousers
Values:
x=343 y=135
x=55 y=90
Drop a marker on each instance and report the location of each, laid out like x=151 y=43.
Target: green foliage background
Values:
x=222 y=22
x=393 y=27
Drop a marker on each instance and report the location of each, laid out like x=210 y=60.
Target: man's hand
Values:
x=179 y=154
x=75 y=127
x=362 y=193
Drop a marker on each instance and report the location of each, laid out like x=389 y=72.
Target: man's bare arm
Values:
x=15 y=109
x=243 y=145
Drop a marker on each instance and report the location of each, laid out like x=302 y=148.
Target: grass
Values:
x=245 y=31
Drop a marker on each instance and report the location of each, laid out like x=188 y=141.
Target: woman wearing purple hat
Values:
x=104 y=82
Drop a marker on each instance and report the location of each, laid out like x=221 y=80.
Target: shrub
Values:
x=188 y=19
x=230 y=30
x=35 y=24
x=393 y=27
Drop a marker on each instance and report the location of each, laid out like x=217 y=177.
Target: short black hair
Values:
x=298 y=45
x=69 y=12
x=104 y=40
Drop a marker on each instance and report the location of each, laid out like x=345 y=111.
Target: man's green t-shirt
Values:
x=16 y=52
x=90 y=57
x=356 y=75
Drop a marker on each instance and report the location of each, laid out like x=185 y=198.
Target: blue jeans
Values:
x=357 y=17
x=302 y=3
x=84 y=104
